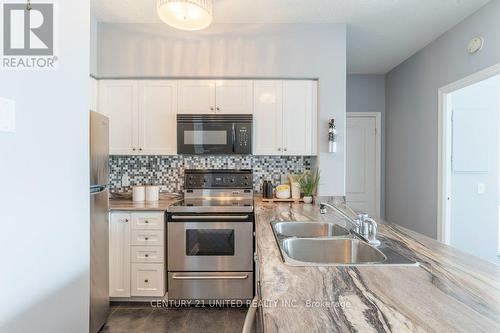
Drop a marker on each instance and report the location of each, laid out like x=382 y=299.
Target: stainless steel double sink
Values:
x=328 y=244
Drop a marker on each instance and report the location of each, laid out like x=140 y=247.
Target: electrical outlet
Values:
x=7 y=115
x=481 y=188
x=125 y=180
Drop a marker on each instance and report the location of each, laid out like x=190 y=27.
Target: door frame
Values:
x=378 y=152
x=444 y=148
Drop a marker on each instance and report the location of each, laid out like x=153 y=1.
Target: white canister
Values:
x=152 y=193
x=138 y=193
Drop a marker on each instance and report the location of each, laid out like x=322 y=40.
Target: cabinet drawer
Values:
x=149 y=221
x=144 y=254
x=147 y=237
x=148 y=280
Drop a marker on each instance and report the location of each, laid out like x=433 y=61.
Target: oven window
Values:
x=205 y=137
x=210 y=242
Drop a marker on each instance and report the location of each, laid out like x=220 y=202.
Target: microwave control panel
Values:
x=243 y=144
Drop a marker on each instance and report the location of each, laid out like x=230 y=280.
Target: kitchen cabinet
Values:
x=137 y=254
x=119 y=255
x=142 y=116
x=118 y=101
x=285 y=117
x=215 y=96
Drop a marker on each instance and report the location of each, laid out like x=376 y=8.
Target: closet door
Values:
x=268 y=118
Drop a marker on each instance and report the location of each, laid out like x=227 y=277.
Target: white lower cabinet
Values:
x=148 y=280
x=137 y=254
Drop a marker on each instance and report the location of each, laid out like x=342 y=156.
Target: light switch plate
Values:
x=481 y=188
x=7 y=115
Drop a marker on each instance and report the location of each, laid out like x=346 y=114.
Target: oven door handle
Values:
x=177 y=276
x=210 y=217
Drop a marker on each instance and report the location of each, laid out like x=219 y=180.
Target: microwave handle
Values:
x=234 y=138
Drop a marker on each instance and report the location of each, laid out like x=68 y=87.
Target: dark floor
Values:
x=142 y=318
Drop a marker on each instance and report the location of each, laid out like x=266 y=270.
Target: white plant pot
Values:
x=308 y=200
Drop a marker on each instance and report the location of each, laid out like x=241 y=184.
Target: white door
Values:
x=298 y=117
x=268 y=118
x=361 y=164
x=119 y=254
x=157 y=117
x=118 y=101
x=197 y=96
x=234 y=96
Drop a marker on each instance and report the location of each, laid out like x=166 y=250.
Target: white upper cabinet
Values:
x=118 y=101
x=196 y=96
x=142 y=116
x=234 y=96
x=268 y=118
x=215 y=96
x=299 y=118
x=157 y=117
x=285 y=117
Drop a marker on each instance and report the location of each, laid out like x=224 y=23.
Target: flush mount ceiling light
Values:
x=186 y=14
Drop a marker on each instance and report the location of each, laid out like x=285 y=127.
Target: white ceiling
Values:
x=381 y=33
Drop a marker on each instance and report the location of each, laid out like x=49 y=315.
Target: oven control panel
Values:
x=207 y=179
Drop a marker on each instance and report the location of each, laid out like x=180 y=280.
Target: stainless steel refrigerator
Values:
x=99 y=220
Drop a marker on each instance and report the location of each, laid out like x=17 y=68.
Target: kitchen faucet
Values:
x=363 y=225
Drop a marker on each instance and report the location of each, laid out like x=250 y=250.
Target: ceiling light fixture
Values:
x=186 y=14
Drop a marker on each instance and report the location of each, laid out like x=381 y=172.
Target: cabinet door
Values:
x=196 y=96
x=119 y=255
x=234 y=96
x=157 y=117
x=118 y=101
x=268 y=118
x=148 y=280
x=298 y=109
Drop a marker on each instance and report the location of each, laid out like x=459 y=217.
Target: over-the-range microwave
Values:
x=214 y=134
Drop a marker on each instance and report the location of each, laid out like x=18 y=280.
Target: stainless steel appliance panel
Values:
x=99 y=260
x=99 y=221
x=99 y=149
x=219 y=258
x=210 y=285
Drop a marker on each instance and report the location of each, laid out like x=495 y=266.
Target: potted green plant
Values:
x=308 y=183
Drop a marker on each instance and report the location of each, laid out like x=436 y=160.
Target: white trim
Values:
x=444 y=168
x=378 y=151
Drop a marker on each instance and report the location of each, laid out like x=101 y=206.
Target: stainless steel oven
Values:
x=214 y=134
x=210 y=237
x=210 y=242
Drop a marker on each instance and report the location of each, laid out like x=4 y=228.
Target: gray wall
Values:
x=366 y=93
x=44 y=192
x=412 y=116
x=316 y=51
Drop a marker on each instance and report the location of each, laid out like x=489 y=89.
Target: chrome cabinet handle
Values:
x=176 y=276
x=133 y=149
x=146 y=280
x=146 y=238
x=279 y=149
x=126 y=220
x=211 y=217
x=146 y=221
x=146 y=255
x=218 y=108
x=140 y=149
x=211 y=108
x=285 y=149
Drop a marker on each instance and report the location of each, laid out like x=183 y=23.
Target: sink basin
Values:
x=309 y=229
x=331 y=251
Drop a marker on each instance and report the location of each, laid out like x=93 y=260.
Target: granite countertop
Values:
x=448 y=291
x=129 y=205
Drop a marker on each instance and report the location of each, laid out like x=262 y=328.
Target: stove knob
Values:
x=232 y=180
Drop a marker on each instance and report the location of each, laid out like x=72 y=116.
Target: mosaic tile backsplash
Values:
x=168 y=171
